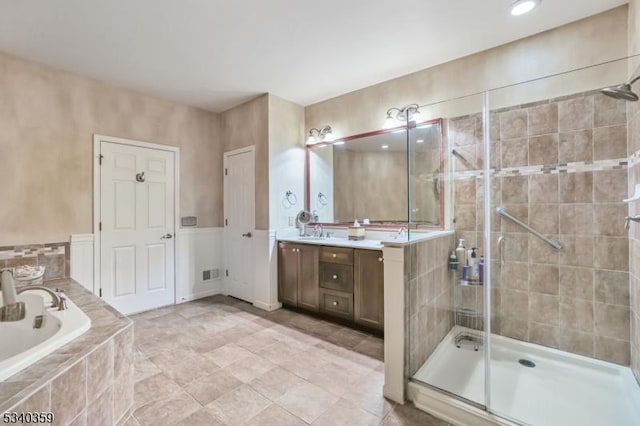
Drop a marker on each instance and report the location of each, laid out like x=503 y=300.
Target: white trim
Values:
x=394 y=324
x=451 y=409
x=249 y=148
x=195 y=230
x=266 y=306
x=81 y=259
x=97 y=139
x=212 y=292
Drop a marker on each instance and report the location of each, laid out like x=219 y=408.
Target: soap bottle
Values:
x=481 y=270
x=453 y=261
x=473 y=264
x=461 y=253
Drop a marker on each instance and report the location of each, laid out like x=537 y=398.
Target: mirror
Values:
x=366 y=176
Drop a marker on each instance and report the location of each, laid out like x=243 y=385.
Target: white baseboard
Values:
x=81 y=258
x=216 y=289
x=267 y=306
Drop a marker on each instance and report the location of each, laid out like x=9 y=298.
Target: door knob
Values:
x=166 y=237
x=248 y=234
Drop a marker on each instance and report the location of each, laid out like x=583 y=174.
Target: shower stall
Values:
x=536 y=175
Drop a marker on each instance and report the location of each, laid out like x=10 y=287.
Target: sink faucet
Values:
x=11 y=309
x=318 y=231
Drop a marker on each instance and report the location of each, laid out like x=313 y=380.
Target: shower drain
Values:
x=527 y=363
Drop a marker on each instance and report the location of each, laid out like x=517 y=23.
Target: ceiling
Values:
x=216 y=54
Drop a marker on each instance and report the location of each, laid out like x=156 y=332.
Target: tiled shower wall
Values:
x=561 y=167
x=634 y=234
x=54 y=256
x=430 y=297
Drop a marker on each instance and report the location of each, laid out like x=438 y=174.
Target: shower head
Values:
x=622 y=92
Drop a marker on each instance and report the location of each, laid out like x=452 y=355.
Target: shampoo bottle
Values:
x=481 y=270
x=461 y=253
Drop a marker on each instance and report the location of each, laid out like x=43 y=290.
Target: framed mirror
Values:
x=389 y=177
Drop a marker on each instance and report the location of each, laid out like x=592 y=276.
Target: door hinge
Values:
x=100 y=226
x=100 y=292
x=226 y=172
x=226 y=272
x=226 y=222
x=100 y=157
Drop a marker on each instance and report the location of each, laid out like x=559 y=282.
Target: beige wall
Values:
x=590 y=41
x=286 y=160
x=48 y=118
x=246 y=125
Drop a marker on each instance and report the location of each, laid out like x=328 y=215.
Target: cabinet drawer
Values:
x=336 y=277
x=337 y=255
x=336 y=303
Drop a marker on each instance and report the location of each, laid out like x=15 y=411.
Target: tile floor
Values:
x=220 y=361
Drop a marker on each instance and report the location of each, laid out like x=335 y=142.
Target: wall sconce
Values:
x=401 y=116
x=324 y=134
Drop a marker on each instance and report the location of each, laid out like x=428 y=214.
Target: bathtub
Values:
x=562 y=389
x=21 y=344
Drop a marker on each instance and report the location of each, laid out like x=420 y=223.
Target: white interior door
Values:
x=137 y=220
x=239 y=213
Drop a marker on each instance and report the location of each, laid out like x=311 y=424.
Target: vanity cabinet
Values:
x=298 y=275
x=368 y=288
x=341 y=282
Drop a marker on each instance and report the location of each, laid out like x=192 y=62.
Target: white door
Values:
x=137 y=220
x=239 y=213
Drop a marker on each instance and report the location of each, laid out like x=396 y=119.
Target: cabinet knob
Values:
x=293 y=250
x=334 y=255
x=335 y=277
x=335 y=303
x=380 y=259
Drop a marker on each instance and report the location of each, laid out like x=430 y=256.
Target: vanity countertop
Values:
x=368 y=244
x=335 y=242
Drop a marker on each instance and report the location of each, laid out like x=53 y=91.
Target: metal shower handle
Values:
x=629 y=219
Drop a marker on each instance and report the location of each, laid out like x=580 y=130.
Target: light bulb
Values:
x=389 y=123
x=328 y=137
x=311 y=140
x=416 y=116
x=523 y=6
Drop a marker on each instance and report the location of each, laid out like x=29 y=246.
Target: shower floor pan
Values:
x=530 y=383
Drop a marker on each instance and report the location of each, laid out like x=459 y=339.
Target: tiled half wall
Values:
x=54 y=256
x=561 y=167
x=430 y=291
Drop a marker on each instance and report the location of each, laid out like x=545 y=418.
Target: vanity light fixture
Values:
x=400 y=116
x=521 y=7
x=324 y=134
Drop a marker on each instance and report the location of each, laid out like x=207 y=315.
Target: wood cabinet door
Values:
x=288 y=274
x=308 y=282
x=368 y=289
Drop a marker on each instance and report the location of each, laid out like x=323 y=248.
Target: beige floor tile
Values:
x=344 y=413
x=153 y=388
x=279 y=353
x=183 y=366
x=202 y=417
x=167 y=411
x=335 y=378
x=305 y=364
x=257 y=341
x=211 y=387
x=238 y=406
x=404 y=415
x=249 y=368
x=275 y=383
x=144 y=368
x=274 y=415
x=307 y=401
x=347 y=337
x=227 y=354
x=372 y=347
x=366 y=393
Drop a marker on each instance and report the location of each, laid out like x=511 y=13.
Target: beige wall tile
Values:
x=577 y=251
x=613 y=350
x=610 y=142
x=544 y=334
x=513 y=124
x=515 y=189
x=544 y=218
x=576 y=283
x=100 y=411
x=608 y=111
x=68 y=393
x=544 y=279
x=575 y=146
x=576 y=219
x=543 y=150
x=543 y=119
x=577 y=342
x=609 y=219
x=99 y=370
x=544 y=308
x=514 y=152
x=612 y=321
x=576 y=314
x=611 y=253
x=610 y=186
x=612 y=287
x=575 y=114
x=575 y=187
x=543 y=189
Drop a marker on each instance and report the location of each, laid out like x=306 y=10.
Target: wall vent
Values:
x=206 y=275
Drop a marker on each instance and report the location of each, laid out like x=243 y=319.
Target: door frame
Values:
x=225 y=156
x=97 y=194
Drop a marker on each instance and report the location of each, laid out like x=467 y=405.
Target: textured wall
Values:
x=562 y=170
x=593 y=40
x=48 y=118
x=245 y=125
x=430 y=292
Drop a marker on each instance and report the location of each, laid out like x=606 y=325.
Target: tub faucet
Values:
x=58 y=300
x=11 y=309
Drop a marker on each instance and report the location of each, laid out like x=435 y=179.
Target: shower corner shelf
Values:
x=467 y=283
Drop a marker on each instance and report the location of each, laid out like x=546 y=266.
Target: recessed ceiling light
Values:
x=385 y=147
x=521 y=7
x=339 y=143
x=420 y=141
